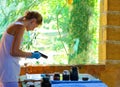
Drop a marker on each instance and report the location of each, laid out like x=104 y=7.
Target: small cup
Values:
x=56 y=76
x=85 y=78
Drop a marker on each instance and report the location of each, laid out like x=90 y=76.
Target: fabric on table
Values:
x=68 y=85
x=78 y=84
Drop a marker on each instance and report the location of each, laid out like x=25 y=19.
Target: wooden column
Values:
x=110 y=41
x=102 y=31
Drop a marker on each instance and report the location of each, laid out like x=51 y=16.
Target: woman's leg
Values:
x=10 y=84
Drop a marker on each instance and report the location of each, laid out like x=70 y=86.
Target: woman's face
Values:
x=31 y=25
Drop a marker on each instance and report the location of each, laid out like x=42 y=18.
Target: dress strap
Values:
x=20 y=23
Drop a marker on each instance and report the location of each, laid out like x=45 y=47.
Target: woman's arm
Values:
x=18 y=35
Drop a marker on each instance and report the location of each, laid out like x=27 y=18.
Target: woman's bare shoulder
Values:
x=15 y=28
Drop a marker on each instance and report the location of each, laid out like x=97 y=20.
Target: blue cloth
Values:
x=78 y=84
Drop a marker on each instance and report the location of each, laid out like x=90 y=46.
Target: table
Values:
x=36 y=80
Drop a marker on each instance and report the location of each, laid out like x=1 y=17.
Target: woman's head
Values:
x=33 y=14
x=33 y=19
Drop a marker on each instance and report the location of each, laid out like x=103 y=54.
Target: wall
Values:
x=92 y=69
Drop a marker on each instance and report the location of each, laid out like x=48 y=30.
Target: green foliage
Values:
x=10 y=10
x=83 y=27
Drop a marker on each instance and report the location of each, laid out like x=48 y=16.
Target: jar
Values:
x=56 y=76
x=66 y=75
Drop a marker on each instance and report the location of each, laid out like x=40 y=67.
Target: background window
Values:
x=69 y=34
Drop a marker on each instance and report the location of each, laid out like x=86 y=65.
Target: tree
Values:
x=82 y=30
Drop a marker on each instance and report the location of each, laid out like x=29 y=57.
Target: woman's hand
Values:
x=35 y=54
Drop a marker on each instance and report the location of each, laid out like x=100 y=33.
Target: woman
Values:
x=10 y=51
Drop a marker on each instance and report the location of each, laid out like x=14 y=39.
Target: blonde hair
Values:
x=30 y=15
x=33 y=14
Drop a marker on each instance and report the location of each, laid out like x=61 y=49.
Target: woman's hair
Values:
x=30 y=15
x=33 y=14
